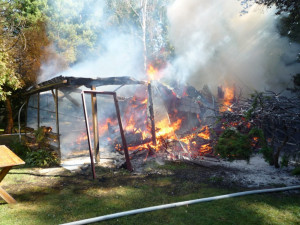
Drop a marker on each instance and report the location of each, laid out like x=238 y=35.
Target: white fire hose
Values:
x=19 y=120
x=172 y=205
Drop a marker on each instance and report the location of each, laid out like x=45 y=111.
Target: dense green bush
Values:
x=284 y=161
x=41 y=158
x=266 y=151
x=19 y=148
x=38 y=158
x=233 y=145
x=296 y=171
x=267 y=154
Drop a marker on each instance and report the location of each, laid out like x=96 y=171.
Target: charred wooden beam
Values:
x=62 y=81
x=220 y=92
x=89 y=82
x=151 y=112
x=48 y=85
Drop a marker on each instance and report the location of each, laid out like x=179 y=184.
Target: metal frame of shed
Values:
x=54 y=84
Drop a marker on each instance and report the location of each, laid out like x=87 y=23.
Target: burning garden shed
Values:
x=117 y=116
x=154 y=116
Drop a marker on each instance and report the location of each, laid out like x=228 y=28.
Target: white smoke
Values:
x=214 y=45
x=117 y=52
x=122 y=57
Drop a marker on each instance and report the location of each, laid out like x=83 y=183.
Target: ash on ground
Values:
x=256 y=173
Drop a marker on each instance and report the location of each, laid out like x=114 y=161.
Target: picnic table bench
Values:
x=8 y=159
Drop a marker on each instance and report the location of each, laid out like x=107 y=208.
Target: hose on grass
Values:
x=177 y=204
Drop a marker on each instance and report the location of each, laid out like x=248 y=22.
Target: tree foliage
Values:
x=290 y=22
x=9 y=79
x=73 y=27
x=289 y=6
x=18 y=21
x=290 y=25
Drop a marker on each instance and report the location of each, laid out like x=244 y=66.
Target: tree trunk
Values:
x=9 y=117
x=144 y=28
x=277 y=153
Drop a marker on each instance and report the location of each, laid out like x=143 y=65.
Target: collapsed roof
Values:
x=62 y=81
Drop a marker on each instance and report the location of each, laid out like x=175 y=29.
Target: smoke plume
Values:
x=122 y=57
x=215 y=45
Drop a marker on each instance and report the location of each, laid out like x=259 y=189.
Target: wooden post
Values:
x=128 y=163
x=151 y=112
x=95 y=125
x=26 y=115
x=38 y=110
x=57 y=121
x=88 y=134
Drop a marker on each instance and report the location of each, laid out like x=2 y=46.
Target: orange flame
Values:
x=135 y=123
x=82 y=137
x=167 y=130
x=205 y=134
x=205 y=149
x=229 y=95
x=152 y=73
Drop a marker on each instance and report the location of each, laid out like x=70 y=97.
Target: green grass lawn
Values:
x=55 y=199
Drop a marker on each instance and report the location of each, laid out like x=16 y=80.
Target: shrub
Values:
x=41 y=137
x=296 y=171
x=233 y=145
x=267 y=154
x=41 y=158
x=266 y=151
x=38 y=158
x=284 y=161
x=19 y=148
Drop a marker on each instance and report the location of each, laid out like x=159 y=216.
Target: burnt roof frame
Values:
x=64 y=81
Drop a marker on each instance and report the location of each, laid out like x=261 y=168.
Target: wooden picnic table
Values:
x=8 y=159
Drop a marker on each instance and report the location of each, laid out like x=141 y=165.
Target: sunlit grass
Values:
x=277 y=214
x=66 y=198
